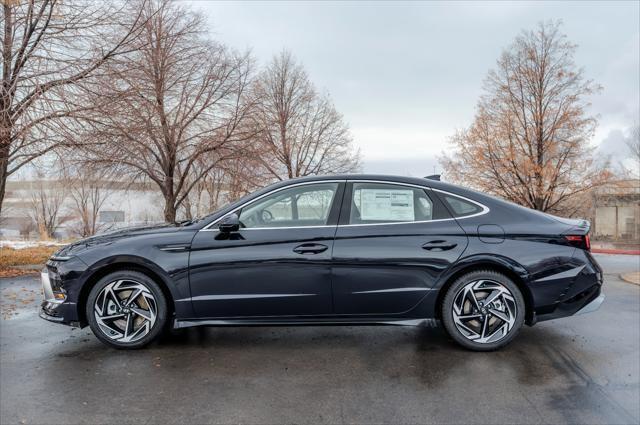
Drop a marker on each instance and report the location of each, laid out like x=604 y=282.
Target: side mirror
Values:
x=230 y=223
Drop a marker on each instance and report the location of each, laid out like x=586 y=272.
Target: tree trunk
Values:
x=4 y=165
x=187 y=208
x=169 y=211
x=5 y=118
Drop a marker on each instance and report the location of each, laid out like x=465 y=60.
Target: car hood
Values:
x=113 y=236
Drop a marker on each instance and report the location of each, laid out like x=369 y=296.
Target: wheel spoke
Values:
x=112 y=295
x=500 y=315
x=147 y=315
x=485 y=327
x=113 y=316
x=469 y=316
x=129 y=326
x=134 y=294
x=473 y=298
x=492 y=296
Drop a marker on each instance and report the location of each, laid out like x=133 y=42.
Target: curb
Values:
x=615 y=251
x=633 y=278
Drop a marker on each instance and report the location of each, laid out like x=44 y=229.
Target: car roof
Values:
x=420 y=181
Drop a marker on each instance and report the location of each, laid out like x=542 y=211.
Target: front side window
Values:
x=306 y=205
x=373 y=203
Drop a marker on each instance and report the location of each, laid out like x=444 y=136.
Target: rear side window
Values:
x=460 y=207
x=373 y=203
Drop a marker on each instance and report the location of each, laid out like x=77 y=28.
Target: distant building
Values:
x=617 y=212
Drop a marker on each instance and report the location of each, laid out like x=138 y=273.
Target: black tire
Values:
x=448 y=310
x=160 y=304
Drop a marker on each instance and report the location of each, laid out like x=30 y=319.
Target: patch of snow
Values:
x=28 y=244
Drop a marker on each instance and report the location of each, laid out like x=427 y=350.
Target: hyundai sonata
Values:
x=339 y=250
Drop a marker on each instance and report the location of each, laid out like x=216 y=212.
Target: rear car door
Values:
x=277 y=264
x=393 y=242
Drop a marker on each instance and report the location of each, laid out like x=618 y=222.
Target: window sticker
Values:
x=386 y=204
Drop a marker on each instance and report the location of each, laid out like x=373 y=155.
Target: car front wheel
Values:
x=483 y=310
x=126 y=309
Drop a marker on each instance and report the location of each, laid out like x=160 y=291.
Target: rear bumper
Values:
x=592 y=306
x=585 y=302
x=574 y=287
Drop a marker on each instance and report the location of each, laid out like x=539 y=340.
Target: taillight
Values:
x=579 y=241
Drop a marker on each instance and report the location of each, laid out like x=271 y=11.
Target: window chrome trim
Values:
x=390 y=223
x=276 y=228
x=207 y=228
x=485 y=209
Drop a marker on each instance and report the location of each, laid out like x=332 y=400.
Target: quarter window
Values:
x=373 y=203
x=460 y=207
x=306 y=205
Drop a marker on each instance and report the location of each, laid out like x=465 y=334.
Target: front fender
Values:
x=174 y=276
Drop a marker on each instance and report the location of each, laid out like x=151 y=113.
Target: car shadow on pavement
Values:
x=427 y=354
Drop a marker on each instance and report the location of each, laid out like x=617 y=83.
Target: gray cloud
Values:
x=407 y=75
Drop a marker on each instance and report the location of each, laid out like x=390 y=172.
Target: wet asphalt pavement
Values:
x=583 y=369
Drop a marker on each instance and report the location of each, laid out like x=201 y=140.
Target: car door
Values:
x=277 y=263
x=392 y=243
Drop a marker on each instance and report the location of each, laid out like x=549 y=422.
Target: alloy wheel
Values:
x=484 y=311
x=125 y=310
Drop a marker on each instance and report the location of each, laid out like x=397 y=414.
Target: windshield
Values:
x=217 y=211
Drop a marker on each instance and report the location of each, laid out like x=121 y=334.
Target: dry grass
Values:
x=11 y=259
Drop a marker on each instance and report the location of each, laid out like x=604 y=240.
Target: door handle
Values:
x=310 y=248
x=439 y=245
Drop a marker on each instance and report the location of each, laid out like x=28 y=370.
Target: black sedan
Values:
x=339 y=250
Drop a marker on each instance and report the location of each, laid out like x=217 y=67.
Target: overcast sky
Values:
x=407 y=75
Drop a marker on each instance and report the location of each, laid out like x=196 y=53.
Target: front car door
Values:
x=393 y=242
x=277 y=264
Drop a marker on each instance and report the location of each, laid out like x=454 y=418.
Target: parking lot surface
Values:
x=582 y=369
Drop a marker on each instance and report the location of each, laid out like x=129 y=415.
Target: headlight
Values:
x=55 y=257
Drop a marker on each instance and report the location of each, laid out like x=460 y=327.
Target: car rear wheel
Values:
x=126 y=309
x=483 y=310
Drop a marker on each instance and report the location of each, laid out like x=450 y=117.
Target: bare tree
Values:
x=300 y=131
x=46 y=200
x=241 y=176
x=228 y=181
x=89 y=188
x=529 y=140
x=48 y=47
x=176 y=99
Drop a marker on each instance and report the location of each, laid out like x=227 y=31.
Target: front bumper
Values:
x=51 y=308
